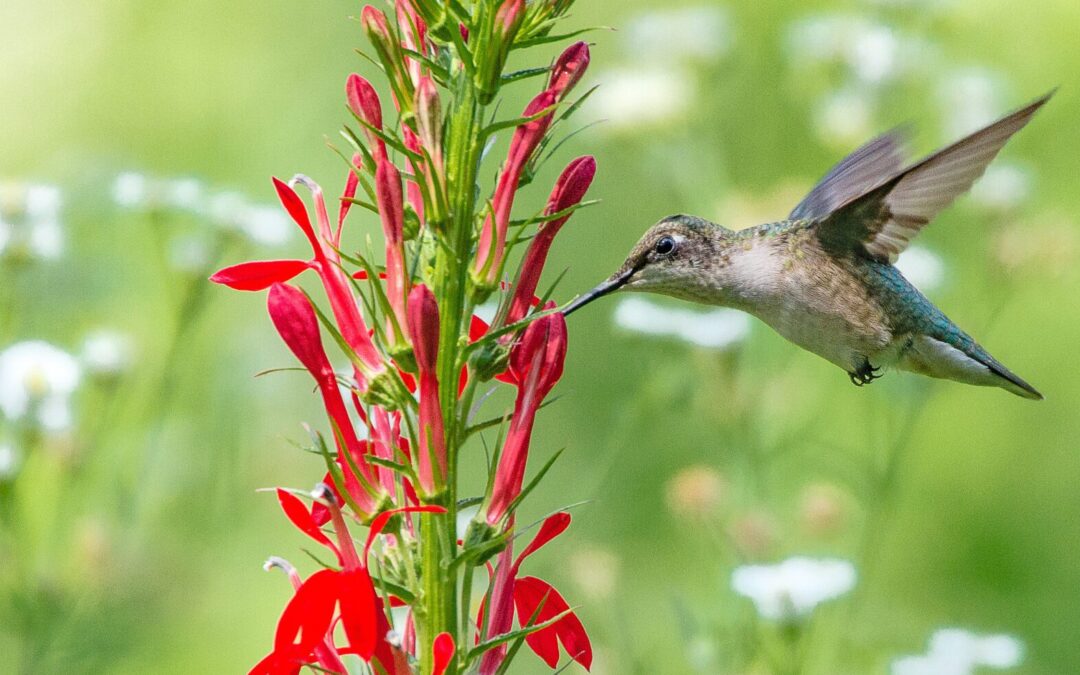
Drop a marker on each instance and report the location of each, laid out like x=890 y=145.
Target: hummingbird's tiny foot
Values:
x=865 y=374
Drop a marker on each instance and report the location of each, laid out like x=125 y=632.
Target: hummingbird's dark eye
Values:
x=665 y=246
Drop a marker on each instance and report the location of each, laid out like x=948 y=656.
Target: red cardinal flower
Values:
x=538 y=363
x=536 y=602
x=569 y=190
x=392 y=212
x=493 y=235
x=424 y=333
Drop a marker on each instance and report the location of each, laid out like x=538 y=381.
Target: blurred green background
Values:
x=133 y=537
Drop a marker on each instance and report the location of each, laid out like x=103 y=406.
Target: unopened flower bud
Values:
x=429 y=117
x=569 y=69
x=388 y=48
x=364 y=103
x=490 y=360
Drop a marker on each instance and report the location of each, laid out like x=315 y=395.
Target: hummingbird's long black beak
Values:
x=610 y=286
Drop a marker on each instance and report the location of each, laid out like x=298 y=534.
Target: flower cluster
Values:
x=417 y=351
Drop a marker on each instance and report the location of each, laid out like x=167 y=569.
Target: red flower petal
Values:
x=320 y=515
x=259 y=275
x=359 y=612
x=529 y=592
x=298 y=513
x=295 y=206
x=552 y=527
x=443 y=651
x=279 y=664
x=308 y=614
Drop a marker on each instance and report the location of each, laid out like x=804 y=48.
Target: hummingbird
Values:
x=824 y=278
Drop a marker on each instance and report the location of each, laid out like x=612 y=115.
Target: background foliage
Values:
x=140 y=534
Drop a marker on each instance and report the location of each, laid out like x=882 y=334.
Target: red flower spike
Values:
x=538 y=363
x=443 y=651
x=297 y=512
x=529 y=593
x=569 y=69
x=569 y=190
x=365 y=104
x=527 y=137
x=259 y=275
x=294 y=318
x=359 y=611
x=423 y=324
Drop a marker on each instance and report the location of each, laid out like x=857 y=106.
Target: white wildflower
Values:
x=30 y=221
x=970 y=99
x=629 y=98
x=793 y=588
x=9 y=461
x=1003 y=187
x=106 y=352
x=265 y=225
x=130 y=190
x=46 y=240
x=38 y=379
x=183 y=193
x=698 y=33
x=955 y=651
x=922 y=267
x=874 y=54
x=715 y=329
x=845 y=117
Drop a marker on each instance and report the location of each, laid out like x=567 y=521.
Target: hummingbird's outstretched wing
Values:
x=855 y=175
x=881 y=222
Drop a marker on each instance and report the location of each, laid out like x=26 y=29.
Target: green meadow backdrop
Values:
x=137 y=140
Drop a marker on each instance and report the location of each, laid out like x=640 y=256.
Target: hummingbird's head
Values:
x=675 y=257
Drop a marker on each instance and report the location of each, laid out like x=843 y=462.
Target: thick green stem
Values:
x=437 y=531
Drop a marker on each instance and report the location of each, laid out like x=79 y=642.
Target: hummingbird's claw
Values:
x=865 y=374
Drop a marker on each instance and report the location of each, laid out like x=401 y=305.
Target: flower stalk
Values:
x=399 y=418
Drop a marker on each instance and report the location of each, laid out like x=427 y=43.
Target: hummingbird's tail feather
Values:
x=957 y=357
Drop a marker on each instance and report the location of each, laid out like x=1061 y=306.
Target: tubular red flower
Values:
x=526 y=138
x=392 y=211
x=304 y=520
x=352 y=182
x=538 y=362
x=294 y=318
x=424 y=332
x=501 y=618
x=335 y=282
x=569 y=190
x=364 y=103
x=569 y=69
x=412 y=188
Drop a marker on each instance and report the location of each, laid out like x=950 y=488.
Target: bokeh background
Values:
x=136 y=143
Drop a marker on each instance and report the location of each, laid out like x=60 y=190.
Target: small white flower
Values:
x=9 y=460
x=629 y=98
x=38 y=378
x=265 y=225
x=106 y=352
x=43 y=203
x=1003 y=187
x=794 y=587
x=875 y=53
x=5 y=235
x=922 y=267
x=46 y=239
x=955 y=651
x=184 y=193
x=845 y=117
x=715 y=329
x=130 y=190
x=701 y=33
x=970 y=99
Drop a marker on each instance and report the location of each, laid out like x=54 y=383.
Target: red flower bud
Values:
x=364 y=103
x=493 y=235
x=423 y=324
x=569 y=69
x=569 y=190
x=392 y=211
x=388 y=48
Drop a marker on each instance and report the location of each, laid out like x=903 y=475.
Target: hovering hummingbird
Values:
x=824 y=278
